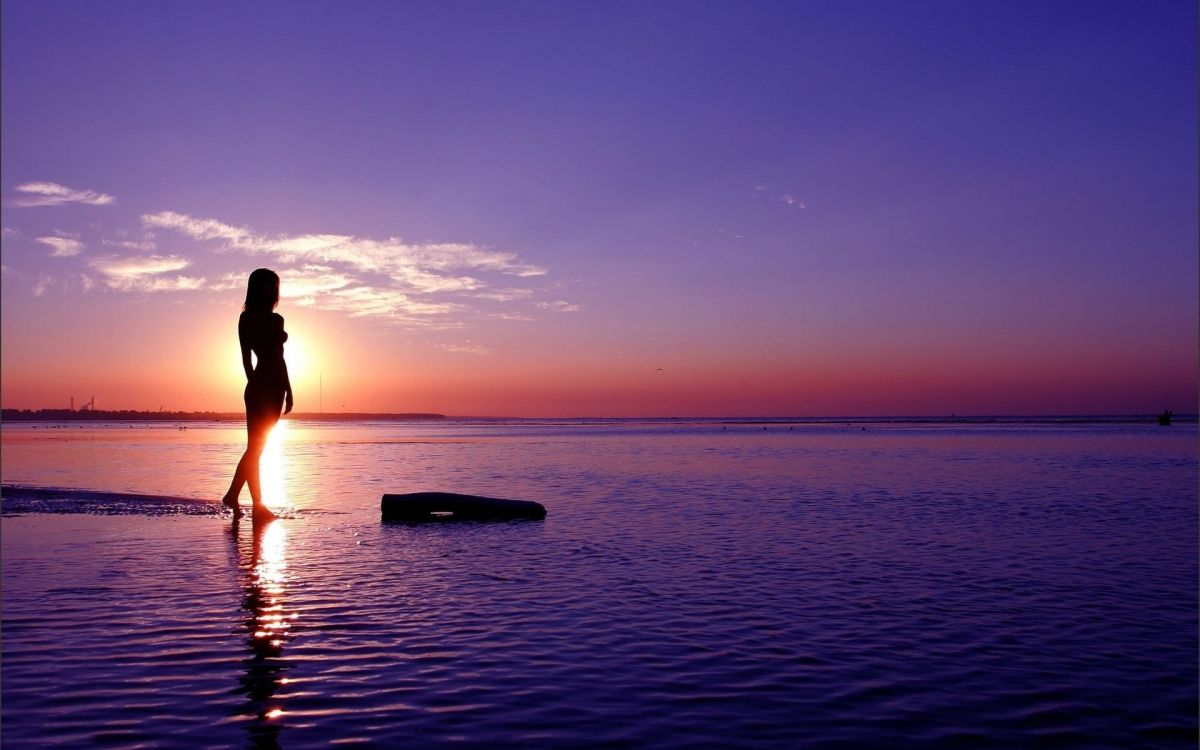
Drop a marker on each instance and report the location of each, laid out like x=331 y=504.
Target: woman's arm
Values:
x=287 y=381
x=288 y=402
x=244 y=341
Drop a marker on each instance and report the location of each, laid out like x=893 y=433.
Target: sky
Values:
x=606 y=208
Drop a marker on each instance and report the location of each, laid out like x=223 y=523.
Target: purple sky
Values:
x=791 y=208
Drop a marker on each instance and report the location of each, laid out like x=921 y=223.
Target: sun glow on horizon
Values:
x=295 y=353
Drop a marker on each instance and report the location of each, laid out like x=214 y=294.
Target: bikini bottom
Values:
x=263 y=406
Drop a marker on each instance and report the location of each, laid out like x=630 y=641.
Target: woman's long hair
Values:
x=263 y=291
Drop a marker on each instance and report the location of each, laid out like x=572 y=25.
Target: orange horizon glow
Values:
x=186 y=358
x=431 y=381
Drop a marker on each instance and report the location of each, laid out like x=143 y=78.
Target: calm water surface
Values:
x=693 y=585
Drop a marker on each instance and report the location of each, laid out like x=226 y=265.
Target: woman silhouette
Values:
x=268 y=389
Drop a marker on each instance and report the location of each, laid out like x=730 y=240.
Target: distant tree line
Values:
x=130 y=415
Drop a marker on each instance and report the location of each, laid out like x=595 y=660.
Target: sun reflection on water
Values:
x=270 y=575
x=273 y=468
x=269 y=624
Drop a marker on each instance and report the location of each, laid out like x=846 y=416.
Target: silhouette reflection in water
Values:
x=268 y=623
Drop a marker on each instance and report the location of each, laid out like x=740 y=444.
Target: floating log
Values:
x=451 y=506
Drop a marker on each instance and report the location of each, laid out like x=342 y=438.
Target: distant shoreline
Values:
x=127 y=415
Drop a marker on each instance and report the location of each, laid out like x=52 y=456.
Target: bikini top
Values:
x=265 y=336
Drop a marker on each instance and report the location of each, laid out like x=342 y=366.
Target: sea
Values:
x=695 y=583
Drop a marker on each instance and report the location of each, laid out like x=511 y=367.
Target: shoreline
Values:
x=54 y=416
x=127 y=415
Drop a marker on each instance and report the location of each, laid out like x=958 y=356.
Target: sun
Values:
x=298 y=351
x=295 y=353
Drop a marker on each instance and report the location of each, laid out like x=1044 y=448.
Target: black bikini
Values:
x=266 y=387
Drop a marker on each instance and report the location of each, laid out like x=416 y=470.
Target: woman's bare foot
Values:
x=262 y=514
x=232 y=503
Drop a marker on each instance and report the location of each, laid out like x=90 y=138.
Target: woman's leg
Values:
x=252 y=458
x=265 y=422
x=235 y=485
x=247 y=468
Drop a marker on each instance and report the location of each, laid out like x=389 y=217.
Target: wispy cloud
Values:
x=302 y=284
x=143 y=246
x=363 y=276
x=512 y=316
x=505 y=295
x=560 y=305
x=328 y=289
x=360 y=301
x=418 y=268
x=143 y=265
x=42 y=285
x=169 y=284
x=62 y=247
x=432 y=285
x=309 y=281
x=467 y=348
x=145 y=273
x=792 y=200
x=54 y=194
x=201 y=229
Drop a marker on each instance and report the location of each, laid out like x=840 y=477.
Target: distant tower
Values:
x=72 y=403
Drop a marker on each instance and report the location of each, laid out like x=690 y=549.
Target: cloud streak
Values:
x=41 y=285
x=420 y=268
x=363 y=276
x=145 y=273
x=361 y=301
x=130 y=244
x=437 y=285
x=54 y=194
x=467 y=348
x=62 y=247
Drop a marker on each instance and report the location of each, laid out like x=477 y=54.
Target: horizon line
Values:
x=53 y=414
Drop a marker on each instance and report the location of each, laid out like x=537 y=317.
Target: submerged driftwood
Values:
x=451 y=506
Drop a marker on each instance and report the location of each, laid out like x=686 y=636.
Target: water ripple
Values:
x=983 y=589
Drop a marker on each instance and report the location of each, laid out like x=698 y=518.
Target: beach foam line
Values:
x=16 y=498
